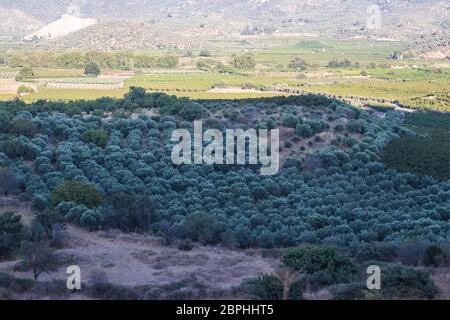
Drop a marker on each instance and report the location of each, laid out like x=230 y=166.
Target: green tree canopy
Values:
x=78 y=192
x=92 y=68
x=11 y=233
x=320 y=262
x=97 y=136
x=245 y=62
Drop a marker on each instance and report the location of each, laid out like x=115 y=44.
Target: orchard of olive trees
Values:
x=107 y=164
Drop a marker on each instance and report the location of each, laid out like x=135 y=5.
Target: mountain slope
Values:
x=399 y=20
x=62 y=27
x=16 y=22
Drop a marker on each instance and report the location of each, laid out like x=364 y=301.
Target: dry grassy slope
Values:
x=136 y=260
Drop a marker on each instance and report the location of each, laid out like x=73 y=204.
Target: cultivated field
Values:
x=370 y=75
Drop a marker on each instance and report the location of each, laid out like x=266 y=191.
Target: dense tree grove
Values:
x=428 y=153
x=340 y=195
x=78 y=60
x=11 y=233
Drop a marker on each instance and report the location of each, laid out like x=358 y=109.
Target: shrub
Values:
x=352 y=291
x=304 y=130
x=202 y=227
x=11 y=233
x=298 y=64
x=54 y=289
x=8 y=181
x=23 y=89
x=90 y=219
x=400 y=282
x=109 y=291
x=23 y=127
x=39 y=202
x=38 y=258
x=98 y=136
x=191 y=111
x=339 y=128
x=14 y=284
x=355 y=126
x=205 y=53
x=376 y=252
x=130 y=212
x=269 y=287
x=411 y=253
x=248 y=85
x=434 y=256
x=92 y=69
x=326 y=265
x=167 y=62
x=246 y=62
x=25 y=73
x=185 y=245
x=290 y=121
x=5 y=119
x=78 y=192
x=341 y=64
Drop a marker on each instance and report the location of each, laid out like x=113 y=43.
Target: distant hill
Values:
x=400 y=19
x=15 y=22
x=62 y=27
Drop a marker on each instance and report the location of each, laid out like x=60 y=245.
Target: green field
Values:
x=415 y=83
x=321 y=51
x=205 y=81
x=56 y=73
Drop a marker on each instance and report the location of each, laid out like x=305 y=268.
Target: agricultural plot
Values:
x=82 y=86
x=370 y=77
x=411 y=94
x=57 y=73
x=321 y=51
x=103 y=83
x=240 y=205
x=425 y=154
x=8 y=74
x=206 y=81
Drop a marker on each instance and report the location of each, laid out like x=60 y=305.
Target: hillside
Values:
x=124 y=36
x=62 y=27
x=400 y=20
x=99 y=189
x=16 y=22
